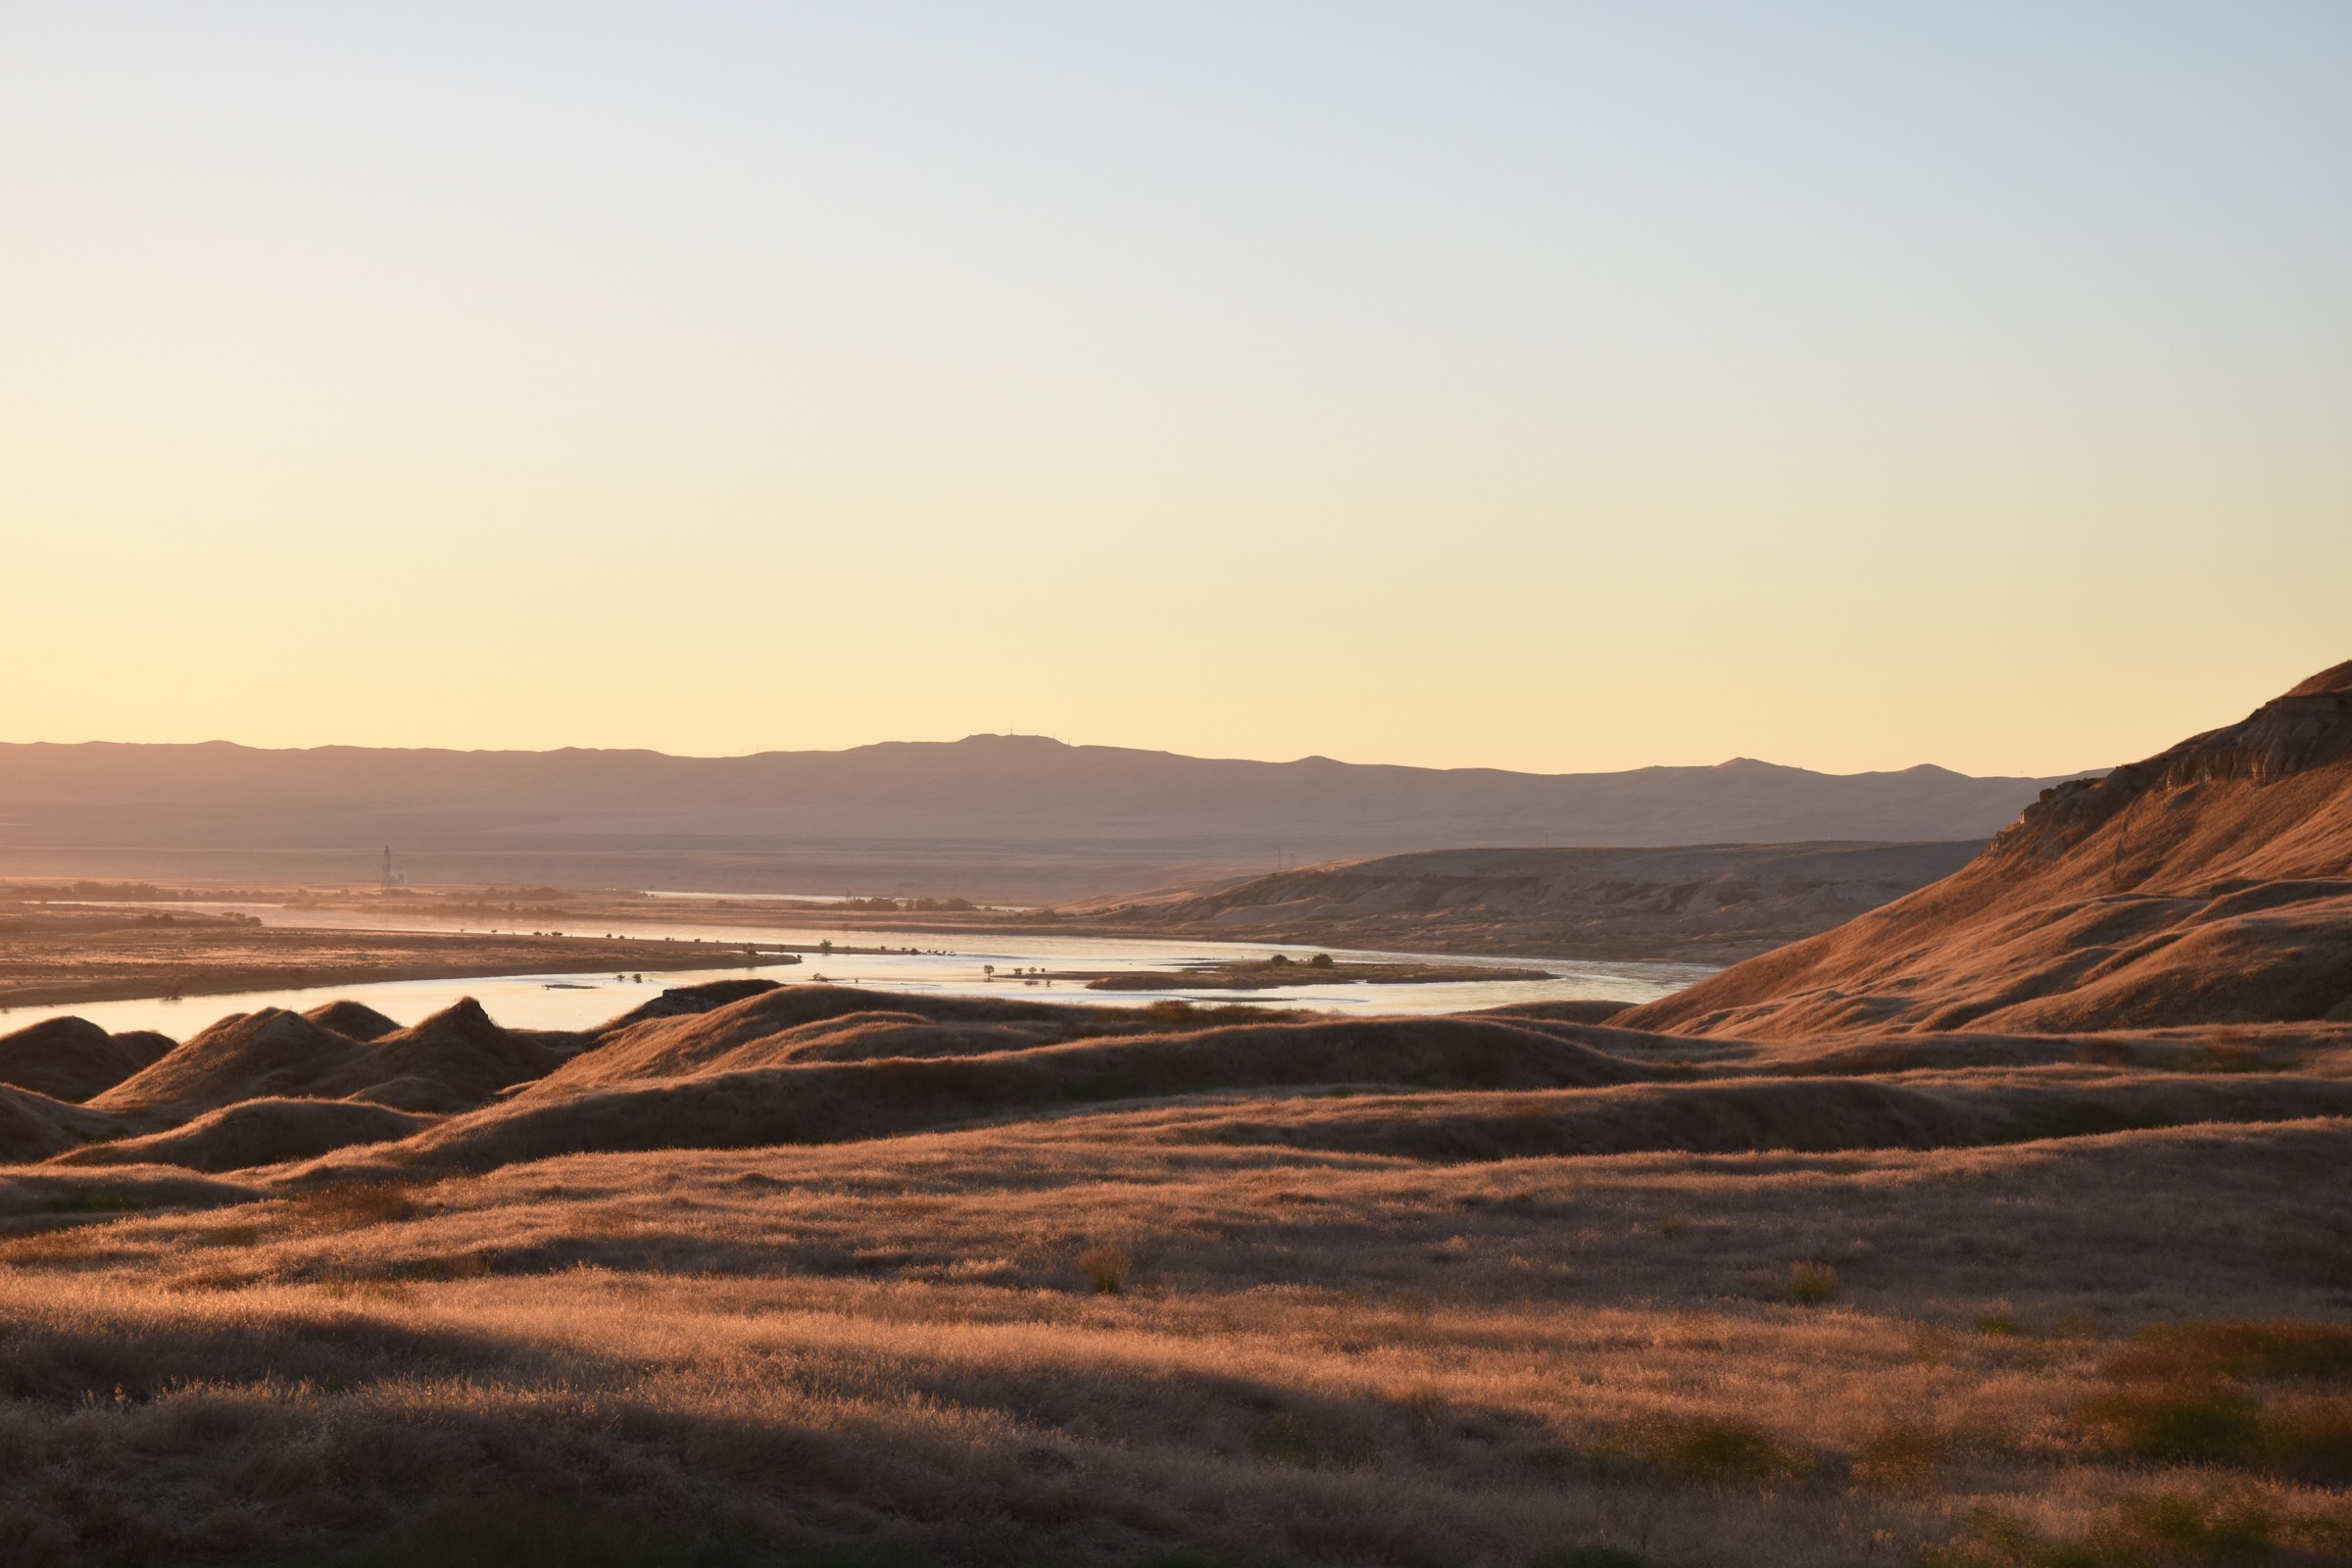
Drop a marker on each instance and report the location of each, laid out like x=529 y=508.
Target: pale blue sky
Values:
x=1538 y=386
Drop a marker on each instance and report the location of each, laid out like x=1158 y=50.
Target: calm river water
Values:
x=939 y=964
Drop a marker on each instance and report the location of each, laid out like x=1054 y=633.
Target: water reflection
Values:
x=940 y=963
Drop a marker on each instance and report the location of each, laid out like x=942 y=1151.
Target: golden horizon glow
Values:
x=1492 y=388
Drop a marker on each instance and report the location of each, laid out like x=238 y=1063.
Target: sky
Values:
x=1549 y=386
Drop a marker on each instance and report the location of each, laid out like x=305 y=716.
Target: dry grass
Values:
x=348 y=1206
x=1337 y=1359
x=2266 y=1397
x=1249 y=1321
x=2199 y=1527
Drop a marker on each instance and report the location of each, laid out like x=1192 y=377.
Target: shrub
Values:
x=1812 y=1283
x=1105 y=1268
x=1998 y=1326
x=2201 y=1529
x=1707 y=1453
x=1899 y=1457
x=2183 y=1530
x=2239 y=1348
x=2177 y=1426
x=1673 y=1225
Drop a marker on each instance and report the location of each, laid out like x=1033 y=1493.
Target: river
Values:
x=929 y=963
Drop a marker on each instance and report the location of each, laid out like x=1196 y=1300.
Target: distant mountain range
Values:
x=1010 y=790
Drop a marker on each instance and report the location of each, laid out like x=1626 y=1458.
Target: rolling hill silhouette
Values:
x=1016 y=790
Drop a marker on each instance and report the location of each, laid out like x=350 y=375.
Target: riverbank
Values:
x=1712 y=905
x=1281 y=971
x=64 y=957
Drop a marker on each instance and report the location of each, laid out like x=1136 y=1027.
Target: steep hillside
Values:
x=2209 y=884
x=1704 y=903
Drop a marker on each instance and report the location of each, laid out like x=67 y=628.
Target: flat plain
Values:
x=55 y=955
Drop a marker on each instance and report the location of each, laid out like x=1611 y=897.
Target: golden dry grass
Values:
x=1307 y=1358
x=1147 y=1288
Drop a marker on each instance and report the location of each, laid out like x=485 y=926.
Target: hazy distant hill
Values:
x=1701 y=904
x=1143 y=814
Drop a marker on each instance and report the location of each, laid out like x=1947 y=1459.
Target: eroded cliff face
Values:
x=2309 y=727
x=2211 y=883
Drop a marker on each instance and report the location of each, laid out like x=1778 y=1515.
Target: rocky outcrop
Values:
x=2308 y=728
